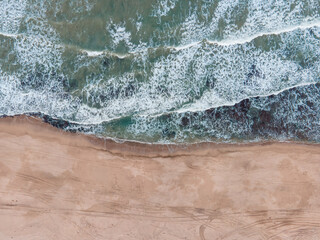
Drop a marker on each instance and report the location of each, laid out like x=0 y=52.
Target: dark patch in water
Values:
x=168 y=133
x=58 y=123
x=253 y=72
x=106 y=62
x=35 y=80
x=185 y=121
x=129 y=90
x=210 y=82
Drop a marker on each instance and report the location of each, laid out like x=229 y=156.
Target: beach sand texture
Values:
x=58 y=185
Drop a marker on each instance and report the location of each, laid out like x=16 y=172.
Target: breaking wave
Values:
x=218 y=71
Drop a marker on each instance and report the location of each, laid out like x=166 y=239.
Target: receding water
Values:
x=165 y=70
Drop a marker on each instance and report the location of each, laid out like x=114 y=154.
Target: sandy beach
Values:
x=59 y=185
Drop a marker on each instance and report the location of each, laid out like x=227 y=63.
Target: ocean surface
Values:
x=165 y=71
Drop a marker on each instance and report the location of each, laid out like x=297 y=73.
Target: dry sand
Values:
x=57 y=185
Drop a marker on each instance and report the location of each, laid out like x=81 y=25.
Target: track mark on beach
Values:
x=279 y=224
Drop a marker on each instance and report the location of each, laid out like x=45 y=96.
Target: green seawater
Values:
x=165 y=71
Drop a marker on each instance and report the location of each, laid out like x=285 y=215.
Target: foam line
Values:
x=226 y=42
x=229 y=104
x=98 y=53
x=88 y=52
x=292 y=28
x=10 y=35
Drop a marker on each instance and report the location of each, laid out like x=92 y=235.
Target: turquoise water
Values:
x=165 y=70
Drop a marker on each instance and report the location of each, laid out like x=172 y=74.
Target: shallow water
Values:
x=165 y=70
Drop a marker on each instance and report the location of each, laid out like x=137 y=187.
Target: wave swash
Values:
x=165 y=71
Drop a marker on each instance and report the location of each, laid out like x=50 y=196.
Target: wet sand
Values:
x=58 y=185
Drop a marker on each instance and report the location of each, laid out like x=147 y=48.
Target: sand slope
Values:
x=57 y=185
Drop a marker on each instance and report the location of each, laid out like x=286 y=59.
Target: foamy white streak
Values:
x=232 y=103
x=226 y=42
x=183 y=110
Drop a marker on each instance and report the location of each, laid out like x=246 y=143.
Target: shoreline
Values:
x=131 y=145
x=62 y=185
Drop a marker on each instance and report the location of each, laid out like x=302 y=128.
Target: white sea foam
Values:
x=34 y=51
x=230 y=67
x=49 y=101
x=180 y=75
x=300 y=26
x=202 y=105
x=11 y=14
x=262 y=17
x=226 y=42
x=172 y=82
x=162 y=7
x=231 y=40
x=249 y=38
x=119 y=34
x=10 y=35
x=93 y=53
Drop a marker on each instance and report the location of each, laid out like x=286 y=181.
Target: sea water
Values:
x=165 y=71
